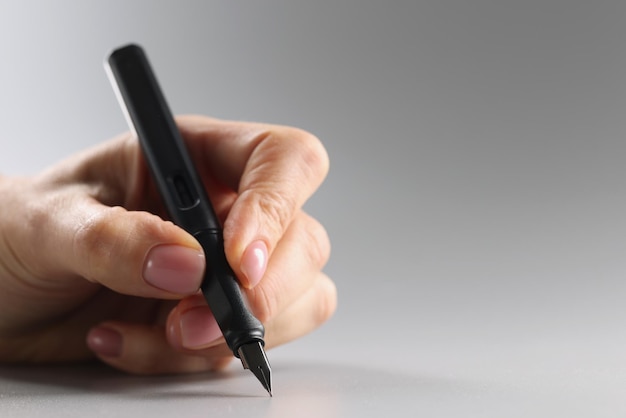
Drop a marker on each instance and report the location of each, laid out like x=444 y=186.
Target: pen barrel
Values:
x=161 y=142
x=182 y=190
x=224 y=296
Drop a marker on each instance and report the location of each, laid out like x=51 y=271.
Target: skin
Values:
x=90 y=267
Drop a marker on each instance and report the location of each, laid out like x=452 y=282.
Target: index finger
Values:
x=273 y=170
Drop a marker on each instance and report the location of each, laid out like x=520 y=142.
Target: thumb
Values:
x=133 y=253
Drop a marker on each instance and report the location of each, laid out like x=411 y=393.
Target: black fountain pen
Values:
x=187 y=202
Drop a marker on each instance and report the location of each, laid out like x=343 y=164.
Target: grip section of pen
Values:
x=223 y=295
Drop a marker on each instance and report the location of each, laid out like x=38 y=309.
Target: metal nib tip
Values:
x=253 y=358
x=267 y=384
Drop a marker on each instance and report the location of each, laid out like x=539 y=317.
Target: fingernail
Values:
x=198 y=328
x=254 y=263
x=174 y=268
x=105 y=341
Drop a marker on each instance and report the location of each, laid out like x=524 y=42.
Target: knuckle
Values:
x=307 y=155
x=327 y=302
x=313 y=155
x=317 y=242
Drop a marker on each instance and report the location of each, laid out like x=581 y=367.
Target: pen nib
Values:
x=253 y=358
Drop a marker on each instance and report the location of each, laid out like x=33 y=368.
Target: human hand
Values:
x=87 y=268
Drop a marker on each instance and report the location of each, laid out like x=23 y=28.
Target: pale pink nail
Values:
x=174 y=268
x=198 y=328
x=105 y=341
x=254 y=263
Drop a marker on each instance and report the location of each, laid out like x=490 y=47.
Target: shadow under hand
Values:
x=300 y=389
x=97 y=378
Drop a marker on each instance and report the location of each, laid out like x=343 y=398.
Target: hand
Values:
x=88 y=266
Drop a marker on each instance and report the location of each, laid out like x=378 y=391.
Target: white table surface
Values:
x=421 y=367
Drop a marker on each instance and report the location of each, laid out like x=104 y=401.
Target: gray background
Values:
x=476 y=200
